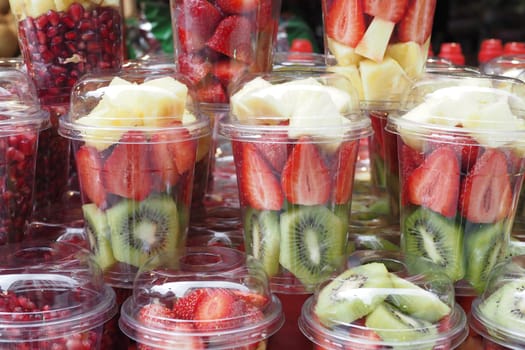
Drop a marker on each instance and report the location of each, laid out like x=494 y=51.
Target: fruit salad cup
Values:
x=209 y=299
x=382 y=44
x=461 y=161
x=379 y=302
x=135 y=141
x=217 y=41
x=52 y=296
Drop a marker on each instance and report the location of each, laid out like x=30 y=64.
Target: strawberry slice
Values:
x=196 y=21
x=378 y=121
x=360 y=332
x=155 y=315
x=194 y=67
x=238 y=6
x=211 y=91
x=417 y=23
x=275 y=150
x=435 y=183
x=184 y=307
x=305 y=177
x=254 y=300
x=126 y=171
x=184 y=150
x=389 y=10
x=345 y=22
x=216 y=309
x=344 y=171
x=228 y=70
x=486 y=194
x=232 y=37
x=89 y=166
x=258 y=185
x=163 y=161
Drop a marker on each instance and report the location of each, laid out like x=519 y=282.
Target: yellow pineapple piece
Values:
x=410 y=55
x=384 y=81
x=344 y=55
x=374 y=43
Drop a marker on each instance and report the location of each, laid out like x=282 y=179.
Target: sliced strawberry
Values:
x=155 y=315
x=305 y=177
x=196 y=21
x=274 y=149
x=258 y=185
x=389 y=10
x=212 y=91
x=252 y=299
x=216 y=309
x=345 y=22
x=184 y=307
x=238 y=6
x=228 y=70
x=163 y=161
x=89 y=166
x=126 y=171
x=232 y=37
x=410 y=160
x=435 y=183
x=486 y=194
x=378 y=122
x=466 y=148
x=184 y=150
x=417 y=23
x=344 y=171
x=362 y=333
x=194 y=67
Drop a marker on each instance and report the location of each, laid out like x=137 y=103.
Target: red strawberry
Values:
x=184 y=307
x=344 y=171
x=258 y=185
x=467 y=148
x=89 y=166
x=217 y=305
x=163 y=161
x=193 y=67
x=345 y=22
x=232 y=37
x=228 y=70
x=361 y=332
x=486 y=194
x=274 y=150
x=126 y=171
x=255 y=300
x=378 y=122
x=435 y=183
x=389 y=10
x=184 y=150
x=155 y=315
x=410 y=160
x=305 y=177
x=238 y=6
x=196 y=20
x=212 y=91
x=417 y=23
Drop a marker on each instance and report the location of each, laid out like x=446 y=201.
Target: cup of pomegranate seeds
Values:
x=52 y=296
x=208 y=299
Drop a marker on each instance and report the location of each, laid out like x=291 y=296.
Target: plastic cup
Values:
x=495 y=318
x=460 y=169
x=384 y=45
x=209 y=299
x=52 y=297
x=136 y=165
x=217 y=42
x=380 y=302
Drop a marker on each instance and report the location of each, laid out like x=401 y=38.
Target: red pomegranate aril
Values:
x=68 y=22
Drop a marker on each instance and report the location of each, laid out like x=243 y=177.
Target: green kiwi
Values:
x=374 y=242
x=97 y=231
x=142 y=229
x=506 y=306
x=349 y=296
x=430 y=235
x=483 y=250
x=262 y=238
x=313 y=243
x=416 y=301
x=392 y=325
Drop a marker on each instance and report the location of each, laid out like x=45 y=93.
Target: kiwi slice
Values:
x=416 y=301
x=392 y=325
x=142 y=229
x=97 y=231
x=313 y=243
x=506 y=306
x=483 y=250
x=430 y=235
x=350 y=295
x=262 y=238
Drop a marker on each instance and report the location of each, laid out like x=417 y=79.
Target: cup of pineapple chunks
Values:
x=135 y=139
x=385 y=300
x=461 y=160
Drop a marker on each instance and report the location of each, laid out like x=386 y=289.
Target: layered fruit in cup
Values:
x=209 y=299
x=295 y=139
x=381 y=45
x=135 y=142
x=460 y=147
x=379 y=302
x=217 y=41
x=52 y=296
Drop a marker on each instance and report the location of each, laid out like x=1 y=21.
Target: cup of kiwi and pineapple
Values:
x=295 y=137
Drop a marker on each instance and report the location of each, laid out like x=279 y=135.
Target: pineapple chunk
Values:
x=35 y=8
x=384 y=81
x=410 y=56
x=352 y=73
x=344 y=55
x=63 y=5
x=374 y=42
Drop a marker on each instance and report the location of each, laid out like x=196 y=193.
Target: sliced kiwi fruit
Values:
x=351 y=296
x=142 y=229
x=506 y=306
x=313 y=243
x=97 y=231
x=430 y=235
x=416 y=301
x=392 y=325
x=483 y=250
x=262 y=238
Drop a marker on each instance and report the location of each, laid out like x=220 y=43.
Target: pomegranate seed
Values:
x=71 y=35
x=42 y=38
x=68 y=22
x=41 y=21
x=76 y=11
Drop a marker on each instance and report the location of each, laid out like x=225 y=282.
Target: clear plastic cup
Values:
x=52 y=296
x=135 y=141
x=381 y=302
x=460 y=148
x=216 y=42
x=384 y=44
x=209 y=299
x=495 y=317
